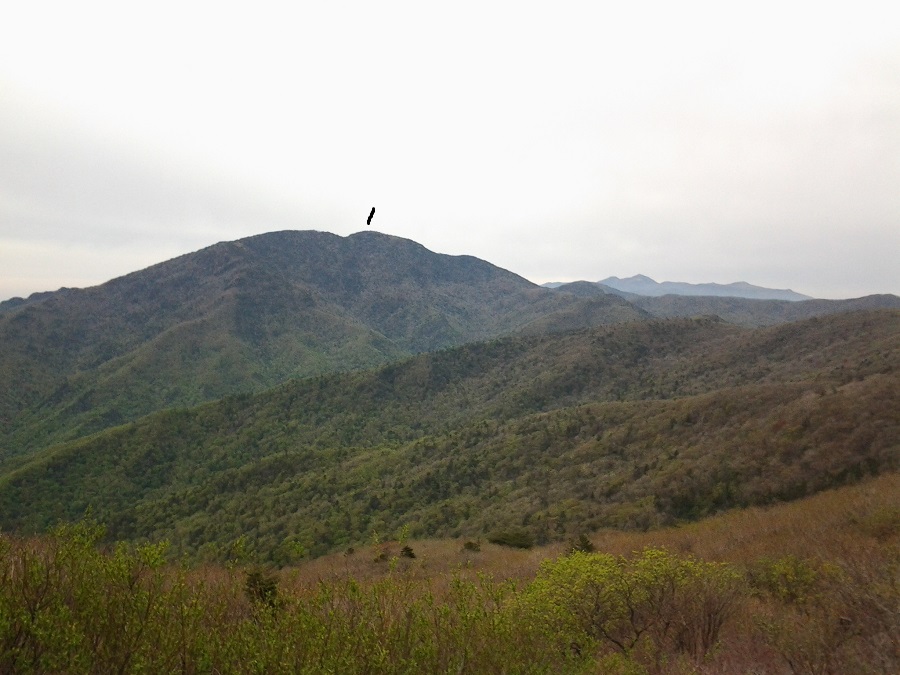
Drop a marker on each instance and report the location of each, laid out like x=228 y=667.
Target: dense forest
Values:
x=635 y=425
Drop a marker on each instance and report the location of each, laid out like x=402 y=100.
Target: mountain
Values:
x=245 y=315
x=740 y=311
x=643 y=285
x=631 y=425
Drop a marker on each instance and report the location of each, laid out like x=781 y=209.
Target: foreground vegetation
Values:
x=759 y=590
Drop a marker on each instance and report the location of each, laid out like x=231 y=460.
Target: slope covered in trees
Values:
x=243 y=316
x=633 y=426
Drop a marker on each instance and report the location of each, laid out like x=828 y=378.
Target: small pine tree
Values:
x=582 y=545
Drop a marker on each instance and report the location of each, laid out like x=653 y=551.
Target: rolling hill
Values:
x=366 y=413
x=633 y=425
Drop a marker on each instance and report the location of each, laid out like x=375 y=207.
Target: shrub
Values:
x=514 y=537
x=822 y=617
x=648 y=606
x=789 y=579
x=262 y=588
x=582 y=545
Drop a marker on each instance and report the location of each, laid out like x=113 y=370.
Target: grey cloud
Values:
x=64 y=184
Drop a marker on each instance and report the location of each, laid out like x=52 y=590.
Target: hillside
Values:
x=633 y=425
x=245 y=315
x=747 y=312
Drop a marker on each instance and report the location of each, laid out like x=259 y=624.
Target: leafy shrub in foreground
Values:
x=66 y=606
x=822 y=617
x=644 y=607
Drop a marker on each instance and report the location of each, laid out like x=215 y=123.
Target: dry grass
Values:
x=809 y=587
x=849 y=622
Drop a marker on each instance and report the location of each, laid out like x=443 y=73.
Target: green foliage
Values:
x=66 y=606
x=516 y=537
x=244 y=316
x=262 y=588
x=650 y=605
x=582 y=544
x=240 y=553
x=788 y=579
x=452 y=443
x=403 y=534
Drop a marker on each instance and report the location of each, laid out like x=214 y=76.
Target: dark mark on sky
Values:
x=369 y=219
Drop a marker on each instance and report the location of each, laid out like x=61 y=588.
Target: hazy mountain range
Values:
x=301 y=384
x=645 y=286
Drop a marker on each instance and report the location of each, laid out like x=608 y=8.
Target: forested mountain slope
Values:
x=245 y=315
x=631 y=425
x=645 y=286
x=749 y=312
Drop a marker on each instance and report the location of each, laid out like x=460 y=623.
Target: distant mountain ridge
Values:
x=645 y=286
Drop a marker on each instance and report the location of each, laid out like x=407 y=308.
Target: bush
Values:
x=67 y=607
x=645 y=607
x=789 y=579
x=262 y=588
x=821 y=617
x=582 y=545
x=513 y=537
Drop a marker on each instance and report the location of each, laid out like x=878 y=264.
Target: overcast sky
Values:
x=689 y=141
